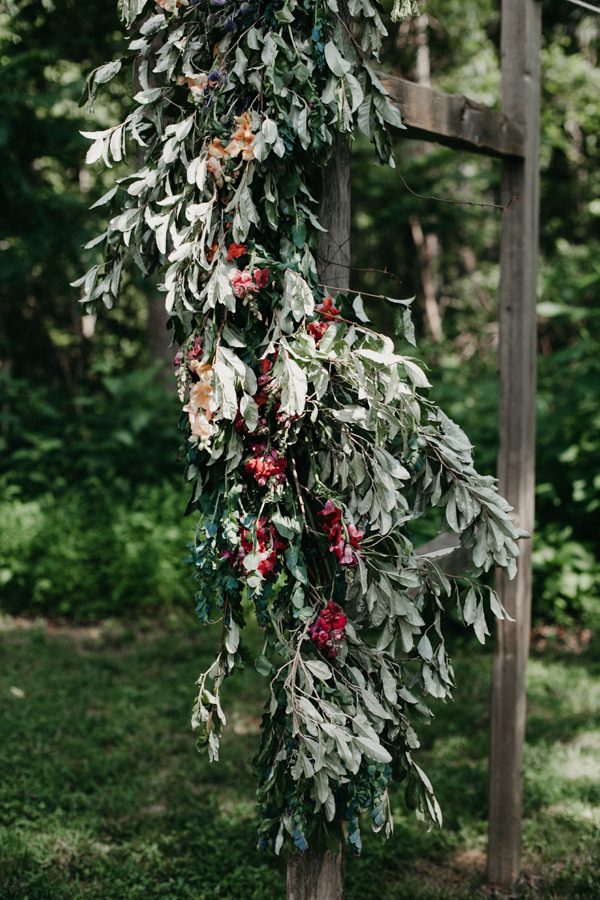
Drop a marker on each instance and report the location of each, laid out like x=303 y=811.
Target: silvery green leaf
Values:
x=372 y=749
x=286 y=526
x=433 y=685
x=153 y=24
x=319 y=669
x=241 y=64
x=374 y=706
x=251 y=562
x=415 y=373
x=106 y=72
x=424 y=649
x=284 y=15
x=408 y=327
x=359 y=309
x=151 y=95
x=294 y=386
x=336 y=62
x=249 y=411
x=356 y=92
x=95 y=241
x=470 y=607
x=232 y=637
x=302 y=128
x=298 y=295
x=269 y=130
x=480 y=624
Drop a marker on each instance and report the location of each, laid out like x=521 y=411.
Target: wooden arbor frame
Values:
x=513 y=136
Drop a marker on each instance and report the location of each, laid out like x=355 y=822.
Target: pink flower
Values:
x=242 y=283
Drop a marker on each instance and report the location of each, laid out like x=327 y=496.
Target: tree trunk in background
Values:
x=315 y=876
x=319 y=875
x=423 y=61
x=428 y=250
x=159 y=339
x=333 y=256
x=427 y=245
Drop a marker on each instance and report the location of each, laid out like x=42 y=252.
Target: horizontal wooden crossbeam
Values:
x=453 y=119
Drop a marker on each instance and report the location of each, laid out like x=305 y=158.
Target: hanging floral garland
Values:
x=311 y=444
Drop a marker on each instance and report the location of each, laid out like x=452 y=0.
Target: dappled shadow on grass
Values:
x=105 y=795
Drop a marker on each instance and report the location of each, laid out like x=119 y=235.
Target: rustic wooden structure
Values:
x=511 y=135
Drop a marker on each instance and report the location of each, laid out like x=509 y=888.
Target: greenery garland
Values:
x=311 y=447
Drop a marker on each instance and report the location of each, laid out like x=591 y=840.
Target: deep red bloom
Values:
x=269 y=544
x=236 y=250
x=317 y=330
x=328 y=630
x=266 y=465
x=344 y=547
x=327 y=309
x=261 y=278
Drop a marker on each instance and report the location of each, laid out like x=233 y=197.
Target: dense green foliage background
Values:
x=92 y=495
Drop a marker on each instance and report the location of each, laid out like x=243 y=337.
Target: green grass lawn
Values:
x=103 y=794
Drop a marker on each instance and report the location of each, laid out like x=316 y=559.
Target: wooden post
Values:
x=521 y=41
x=318 y=875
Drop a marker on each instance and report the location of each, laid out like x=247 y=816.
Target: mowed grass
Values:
x=103 y=794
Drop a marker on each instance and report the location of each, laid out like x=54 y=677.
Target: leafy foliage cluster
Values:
x=311 y=446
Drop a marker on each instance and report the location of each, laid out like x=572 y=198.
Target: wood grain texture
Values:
x=333 y=256
x=453 y=119
x=315 y=876
x=521 y=43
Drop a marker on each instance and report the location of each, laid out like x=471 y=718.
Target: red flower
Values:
x=269 y=544
x=328 y=630
x=261 y=278
x=236 y=250
x=266 y=465
x=343 y=546
x=327 y=309
x=317 y=330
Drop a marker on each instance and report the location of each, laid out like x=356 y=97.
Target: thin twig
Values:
x=501 y=208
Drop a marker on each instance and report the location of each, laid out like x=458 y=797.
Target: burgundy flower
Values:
x=344 y=540
x=261 y=278
x=328 y=631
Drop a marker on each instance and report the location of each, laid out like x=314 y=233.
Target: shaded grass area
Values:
x=103 y=794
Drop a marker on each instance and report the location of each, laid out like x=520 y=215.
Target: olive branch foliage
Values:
x=234 y=116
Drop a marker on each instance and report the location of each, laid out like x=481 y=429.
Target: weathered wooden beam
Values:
x=453 y=119
x=319 y=875
x=520 y=47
